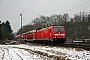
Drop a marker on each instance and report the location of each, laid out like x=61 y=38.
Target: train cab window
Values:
x=58 y=29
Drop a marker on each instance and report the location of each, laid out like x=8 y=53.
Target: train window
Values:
x=57 y=29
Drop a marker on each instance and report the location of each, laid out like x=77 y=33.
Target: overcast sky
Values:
x=11 y=9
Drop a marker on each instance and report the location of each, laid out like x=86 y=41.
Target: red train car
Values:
x=51 y=34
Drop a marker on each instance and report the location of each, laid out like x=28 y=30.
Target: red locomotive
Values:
x=49 y=34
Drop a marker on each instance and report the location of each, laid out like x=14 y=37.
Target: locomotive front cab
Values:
x=59 y=34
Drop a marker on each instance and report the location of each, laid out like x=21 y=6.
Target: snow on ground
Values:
x=30 y=52
x=9 y=52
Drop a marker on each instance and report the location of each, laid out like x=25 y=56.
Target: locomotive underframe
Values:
x=59 y=40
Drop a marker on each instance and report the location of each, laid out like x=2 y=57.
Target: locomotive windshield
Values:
x=58 y=29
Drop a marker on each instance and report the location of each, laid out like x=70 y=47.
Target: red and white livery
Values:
x=52 y=33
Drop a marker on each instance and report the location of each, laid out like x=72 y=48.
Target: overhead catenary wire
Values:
x=63 y=6
x=80 y=9
x=28 y=6
x=26 y=9
x=83 y=7
x=77 y=6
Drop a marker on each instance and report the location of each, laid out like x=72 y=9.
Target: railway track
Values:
x=82 y=43
x=73 y=43
x=42 y=51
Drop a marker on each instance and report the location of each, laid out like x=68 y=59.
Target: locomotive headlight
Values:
x=62 y=34
x=56 y=34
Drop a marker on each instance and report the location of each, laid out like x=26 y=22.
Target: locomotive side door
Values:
x=34 y=35
x=50 y=33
